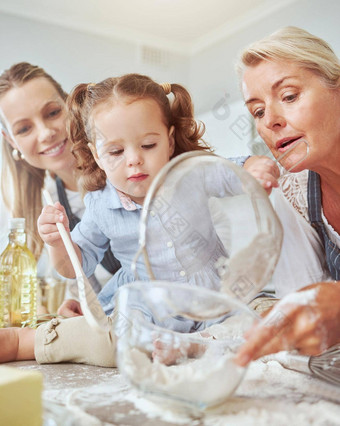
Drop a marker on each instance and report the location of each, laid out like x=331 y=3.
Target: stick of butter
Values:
x=20 y=397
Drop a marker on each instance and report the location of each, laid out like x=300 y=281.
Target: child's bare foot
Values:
x=16 y=344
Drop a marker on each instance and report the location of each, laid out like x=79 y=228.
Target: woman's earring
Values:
x=17 y=156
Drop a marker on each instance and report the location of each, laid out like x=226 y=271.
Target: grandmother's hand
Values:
x=307 y=320
x=264 y=170
x=70 y=308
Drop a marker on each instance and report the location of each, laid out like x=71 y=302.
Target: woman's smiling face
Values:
x=34 y=115
x=289 y=103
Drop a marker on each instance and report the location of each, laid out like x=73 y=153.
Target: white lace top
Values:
x=294 y=188
x=302 y=259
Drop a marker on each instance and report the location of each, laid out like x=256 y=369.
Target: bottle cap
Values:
x=17 y=223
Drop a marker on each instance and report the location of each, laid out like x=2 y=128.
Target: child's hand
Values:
x=264 y=170
x=47 y=228
x=166 y=353
x=70 y=308
x=169 y=353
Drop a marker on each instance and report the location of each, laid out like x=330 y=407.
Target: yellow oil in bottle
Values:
x=18 y=279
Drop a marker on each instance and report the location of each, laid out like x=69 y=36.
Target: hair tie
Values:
x=90 y=85
x=166 y=87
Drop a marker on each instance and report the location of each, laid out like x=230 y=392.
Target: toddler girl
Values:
x=123 y=130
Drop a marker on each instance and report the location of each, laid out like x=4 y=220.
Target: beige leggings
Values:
x=73 y=340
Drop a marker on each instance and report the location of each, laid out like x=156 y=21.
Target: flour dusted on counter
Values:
x=268 y=395
x=205 y=381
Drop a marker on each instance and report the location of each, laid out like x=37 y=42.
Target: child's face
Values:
x=132 y=145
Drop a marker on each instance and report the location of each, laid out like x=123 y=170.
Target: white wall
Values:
x=213 y=81
x=73 y=57
x=212 y=70
x=228 y=128
x=212 y=78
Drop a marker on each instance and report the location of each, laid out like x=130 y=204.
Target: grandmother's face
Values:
x=290 y=103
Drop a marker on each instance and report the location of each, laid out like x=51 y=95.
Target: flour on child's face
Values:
x=132 y=144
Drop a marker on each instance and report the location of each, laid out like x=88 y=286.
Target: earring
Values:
x=17 y=156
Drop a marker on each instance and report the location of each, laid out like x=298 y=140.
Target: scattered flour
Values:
x=269 y=395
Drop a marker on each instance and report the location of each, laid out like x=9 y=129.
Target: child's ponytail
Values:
x=188 y=132
x=91 y=176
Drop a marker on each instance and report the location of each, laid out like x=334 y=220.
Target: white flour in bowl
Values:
x=205 y=381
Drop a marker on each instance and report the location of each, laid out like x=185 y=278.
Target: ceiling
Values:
x=182 y=26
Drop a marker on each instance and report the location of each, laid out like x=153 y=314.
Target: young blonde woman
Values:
x=36 y=152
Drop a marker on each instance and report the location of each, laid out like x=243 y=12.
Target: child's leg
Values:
x=16 y=344
x=73 y=340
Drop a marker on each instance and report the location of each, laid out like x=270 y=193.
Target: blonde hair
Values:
x=27 y=180
x=298 y=46
x=130 y=87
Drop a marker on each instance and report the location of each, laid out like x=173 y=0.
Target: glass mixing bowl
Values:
x=178 y=341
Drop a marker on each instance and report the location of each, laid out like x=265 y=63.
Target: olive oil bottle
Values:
x=18 y=279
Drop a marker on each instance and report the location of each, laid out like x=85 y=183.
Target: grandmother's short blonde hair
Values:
x=295 y=45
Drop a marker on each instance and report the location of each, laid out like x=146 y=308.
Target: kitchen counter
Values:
x=76 y=394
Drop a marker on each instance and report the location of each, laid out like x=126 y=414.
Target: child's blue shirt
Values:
x=182 y=243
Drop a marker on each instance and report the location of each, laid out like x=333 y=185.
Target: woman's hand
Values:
x=264 y=170
x=70 y=308
x=308 y=320
x=47 y=224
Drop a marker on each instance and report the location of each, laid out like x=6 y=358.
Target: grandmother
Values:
x=291 y=86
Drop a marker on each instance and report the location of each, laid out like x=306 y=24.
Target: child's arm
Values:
x=16 y=344
x=48 y=231
x=264 y=170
